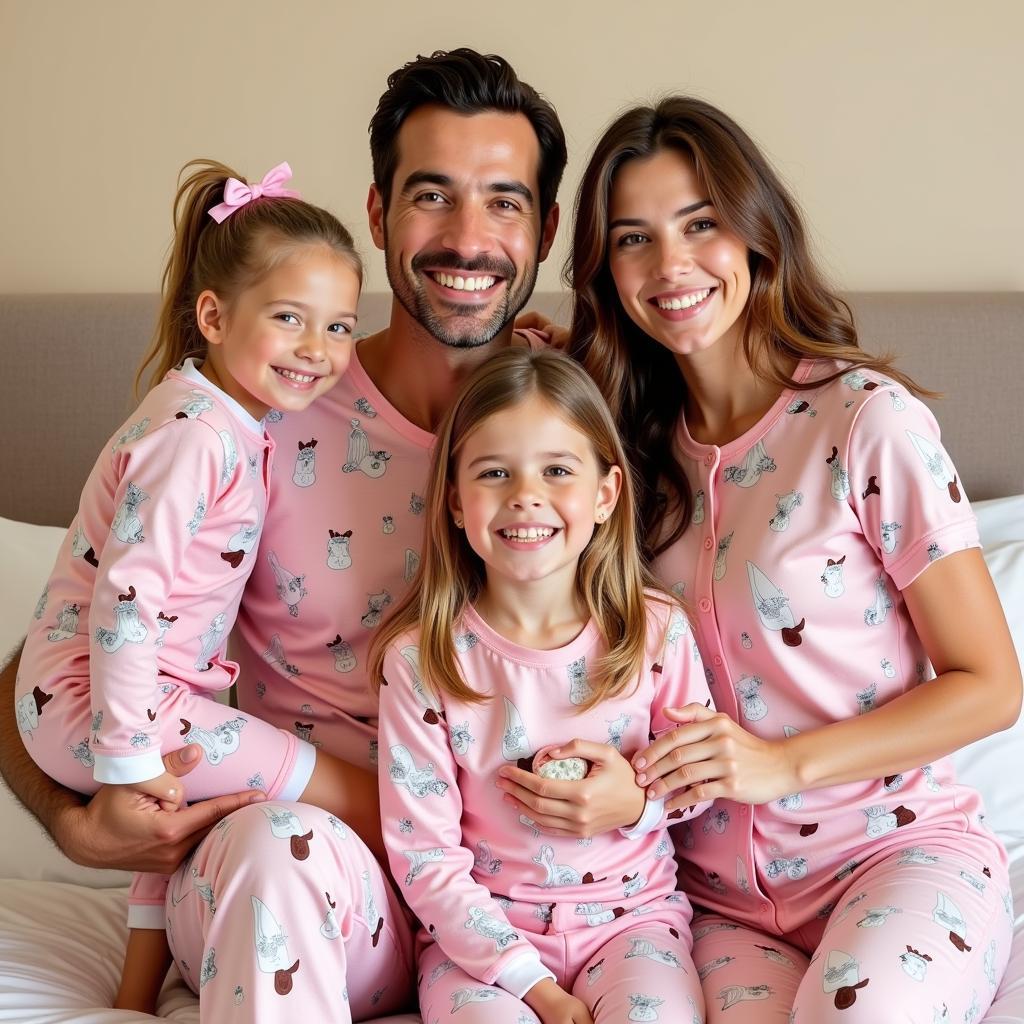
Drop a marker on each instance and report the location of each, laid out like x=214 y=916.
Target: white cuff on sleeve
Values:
x=522 y=974
x=148 y=916
x=125 y=770
x=649 y=820
x=302 y=772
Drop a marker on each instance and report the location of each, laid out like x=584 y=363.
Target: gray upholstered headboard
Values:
x=69 y=361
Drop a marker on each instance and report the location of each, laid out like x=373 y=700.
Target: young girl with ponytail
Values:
x=125 y=652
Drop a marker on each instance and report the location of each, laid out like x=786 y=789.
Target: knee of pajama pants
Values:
x=284 y=891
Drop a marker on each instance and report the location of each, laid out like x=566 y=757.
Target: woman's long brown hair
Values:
x=611 y=576
x=791 y=312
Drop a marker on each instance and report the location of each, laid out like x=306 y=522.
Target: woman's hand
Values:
x=710 y=756
x=607 y=798
x=555 y=1006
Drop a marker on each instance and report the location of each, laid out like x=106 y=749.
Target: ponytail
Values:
x=226 y=258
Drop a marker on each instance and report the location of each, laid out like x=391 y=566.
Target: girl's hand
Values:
x=606 y=799
x=710 y=756
x=555 y=1006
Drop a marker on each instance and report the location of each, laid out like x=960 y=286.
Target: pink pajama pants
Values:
x=921 y=936
x=239 y=752
x=634 y=968
x=283 y=916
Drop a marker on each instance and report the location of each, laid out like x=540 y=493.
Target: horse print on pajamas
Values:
x=360 y=457
x=338 y=554
x=304 y=474
x=290 y=587
x=419 y=781
x=840 y=485
x=490 y=927
x=128 y=627
x=126 y=525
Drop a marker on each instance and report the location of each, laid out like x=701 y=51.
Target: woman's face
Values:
x=681 y=276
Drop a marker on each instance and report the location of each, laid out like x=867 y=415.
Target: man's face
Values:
x=462 y=235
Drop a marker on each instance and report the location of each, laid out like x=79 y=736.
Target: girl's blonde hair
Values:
x=611 y=575
x=227 y=258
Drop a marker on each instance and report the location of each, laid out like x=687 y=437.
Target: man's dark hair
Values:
x=469 y=83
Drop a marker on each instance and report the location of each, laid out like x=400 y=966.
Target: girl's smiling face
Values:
x=529 y=490
x=286 y=340
x=681 y=276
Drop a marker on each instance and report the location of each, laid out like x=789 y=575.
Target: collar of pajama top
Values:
x=340 y=544
x=803 y=532
x=191 y=372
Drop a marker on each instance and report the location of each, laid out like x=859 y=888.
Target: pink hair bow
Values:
x=237 y=193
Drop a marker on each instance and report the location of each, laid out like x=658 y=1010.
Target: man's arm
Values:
x=46 y=799
x=119 y=827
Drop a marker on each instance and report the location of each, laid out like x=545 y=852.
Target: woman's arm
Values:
x=48 y=801
x=977 y=691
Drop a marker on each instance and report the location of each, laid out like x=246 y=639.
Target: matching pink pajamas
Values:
x=503 y=906
x=340 y=543
x=125 y=651
x=805 y=530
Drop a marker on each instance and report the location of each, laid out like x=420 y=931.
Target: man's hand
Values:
x=123 y=827
x=555 y=1006
x=606 y=799
x=558 y=336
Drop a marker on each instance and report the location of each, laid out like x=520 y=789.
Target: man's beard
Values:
x=412 y=294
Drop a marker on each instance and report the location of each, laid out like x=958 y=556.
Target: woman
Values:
x=796 y=494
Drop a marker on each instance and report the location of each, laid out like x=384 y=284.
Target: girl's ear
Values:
x=455 y=505
x=608 y=492
x=210 y=315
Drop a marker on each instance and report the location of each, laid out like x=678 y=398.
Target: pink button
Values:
x=704 y=605
x=708 y=543
x=709 y=460
x=718 y=659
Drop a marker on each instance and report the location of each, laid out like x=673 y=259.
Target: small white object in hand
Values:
x=571 y=769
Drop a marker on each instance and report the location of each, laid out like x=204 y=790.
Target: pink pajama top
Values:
x=339 y=547
x=805 y=531
x=458 y=852
x=149 y=578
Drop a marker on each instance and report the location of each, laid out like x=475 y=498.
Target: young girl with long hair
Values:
x=125 y=652
x=797 y=492
x=532 y=619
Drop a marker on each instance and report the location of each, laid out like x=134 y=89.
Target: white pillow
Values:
x=27 y=553
x=987 y=764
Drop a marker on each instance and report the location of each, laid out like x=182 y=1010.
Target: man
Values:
x=269 y=911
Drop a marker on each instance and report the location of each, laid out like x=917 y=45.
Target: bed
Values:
x=61 y=926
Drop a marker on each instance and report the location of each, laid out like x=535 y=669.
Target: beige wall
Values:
x=897 y=123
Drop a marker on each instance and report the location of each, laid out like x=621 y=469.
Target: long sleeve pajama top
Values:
x=460 y=853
